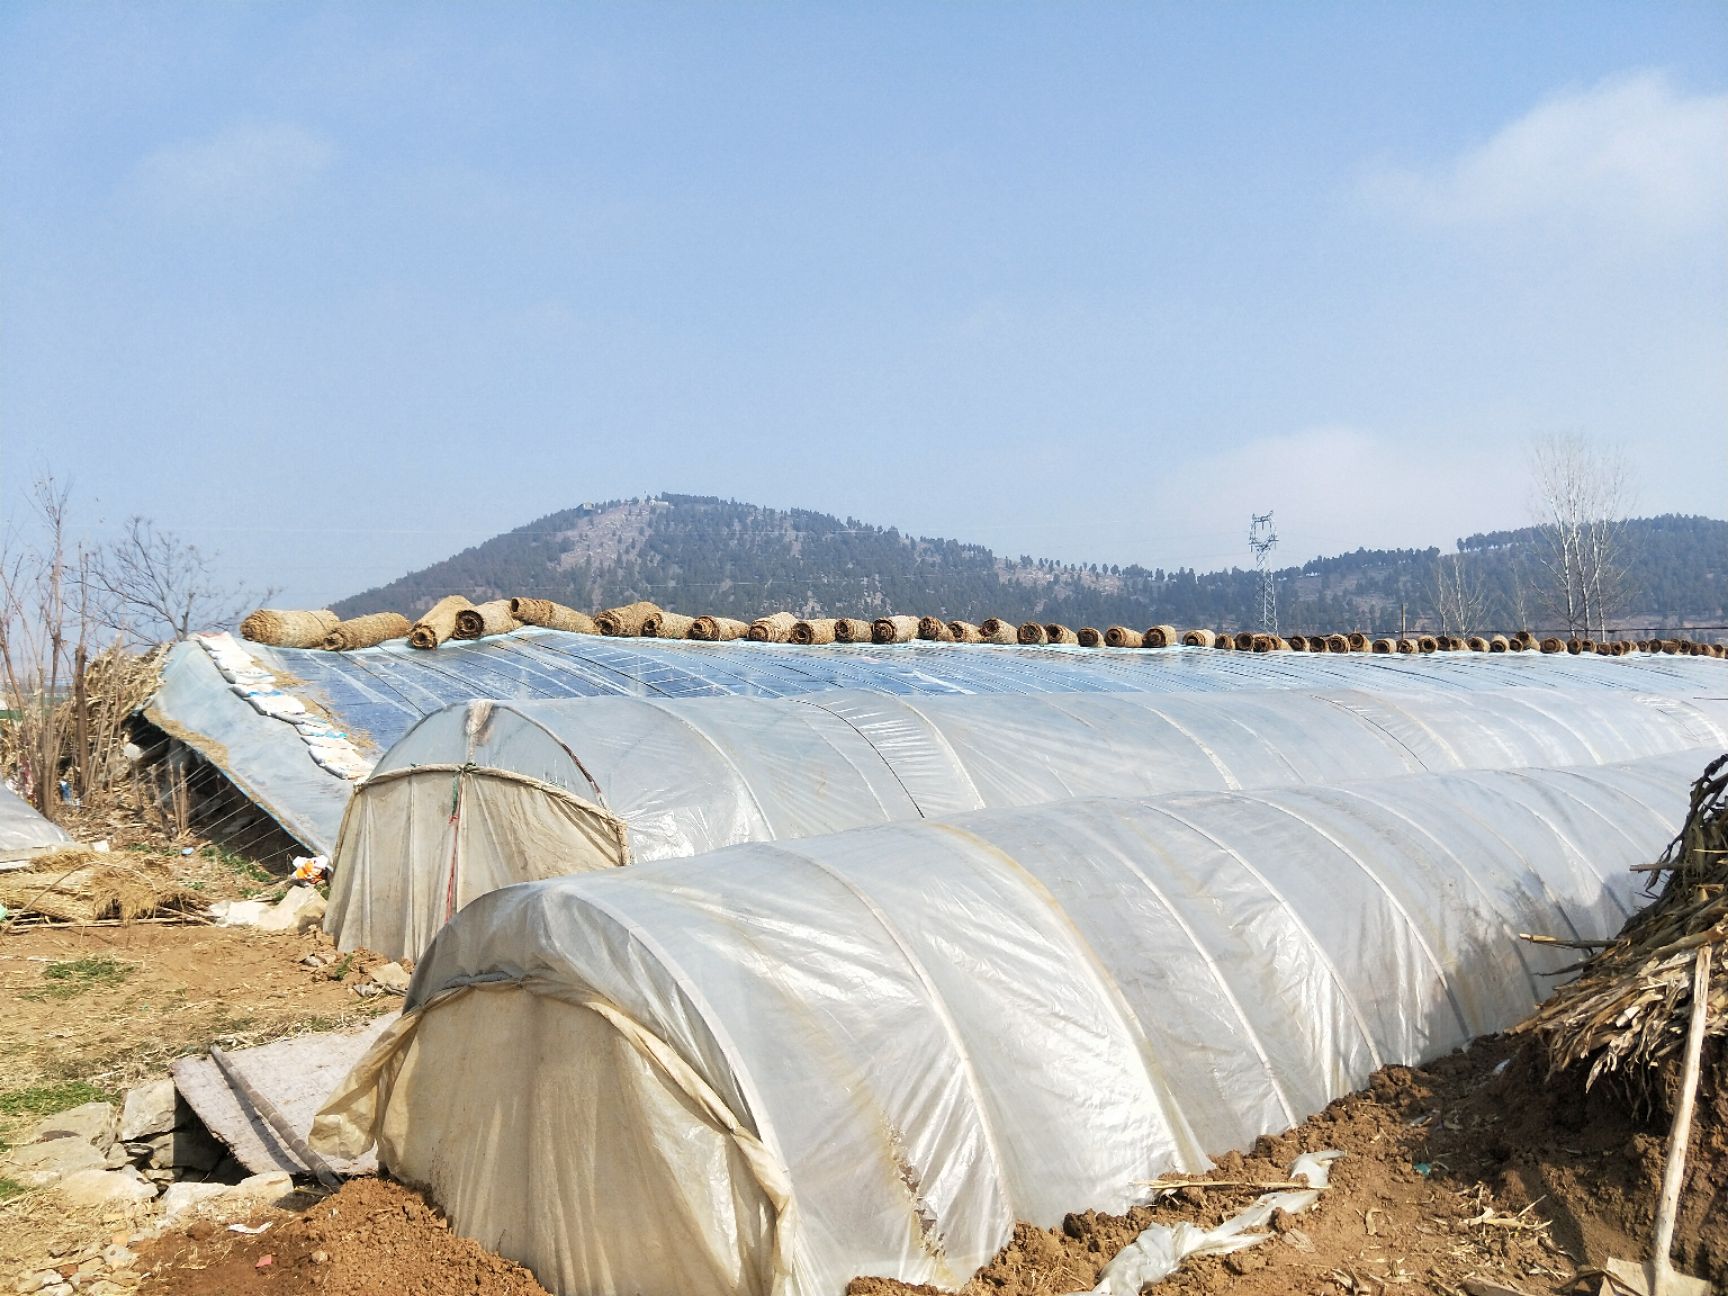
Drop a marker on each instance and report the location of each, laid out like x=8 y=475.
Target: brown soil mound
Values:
x=1478 y=1166
x=373 y=1236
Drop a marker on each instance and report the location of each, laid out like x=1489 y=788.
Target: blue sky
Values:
x=338 y=290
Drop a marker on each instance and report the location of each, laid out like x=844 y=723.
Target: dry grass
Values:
x=1626 y=1012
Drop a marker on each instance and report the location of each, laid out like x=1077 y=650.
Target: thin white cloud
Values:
x=1632 y=152
x=242 y=172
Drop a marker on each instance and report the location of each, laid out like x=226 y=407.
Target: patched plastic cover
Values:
x=599 y=782
x=898 y=1041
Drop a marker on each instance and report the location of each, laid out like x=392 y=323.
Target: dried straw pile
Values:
x=367 y=631
x=1627 y=1011
x=819 y=631
x=82 y=886
x=713 y=629
x=438 y=623
x=289 y=629
x=491 y=618
x=776 y=627
x=554 y=616
x=627 y=620
x=667 y=625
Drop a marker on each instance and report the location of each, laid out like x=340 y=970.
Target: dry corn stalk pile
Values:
x=81 y=886
x=1628 y=1009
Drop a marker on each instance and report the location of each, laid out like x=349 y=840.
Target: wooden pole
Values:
x=1667 y=1207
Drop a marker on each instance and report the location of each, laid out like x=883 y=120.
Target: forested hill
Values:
x=696 y=554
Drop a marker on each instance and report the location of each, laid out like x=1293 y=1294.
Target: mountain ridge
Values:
x=702 y=554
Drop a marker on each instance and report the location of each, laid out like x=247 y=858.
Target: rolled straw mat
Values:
x=1122 y=637
x=713 y=629
x=437 y=623
x=554 y=616
x=1161 y=636
x=1198 y=639
x=626 y=620
x=1337 y=643
x=776 y=627
x=894 y=629
x=965 y=632
x=1383 y=646
x=667 y=625
x=490 y=618
x=1032 y=633
x=1059 y=634
x=289 y=629
x=1089 y=637
x=366 y=631
x=934 y=629
x=851 y=630
x=820 y=631
x=996 y=630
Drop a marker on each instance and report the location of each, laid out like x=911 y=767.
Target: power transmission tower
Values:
x=1261 y=539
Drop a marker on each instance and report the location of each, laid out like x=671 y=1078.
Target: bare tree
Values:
x=150 y=585
x=1455 y=594
x=1580 y=493
x=44 y=624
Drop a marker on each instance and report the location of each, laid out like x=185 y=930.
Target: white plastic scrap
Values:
x=1160 y=1250
x=329 y=747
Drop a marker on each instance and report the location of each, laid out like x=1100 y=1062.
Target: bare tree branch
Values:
x=150 y=585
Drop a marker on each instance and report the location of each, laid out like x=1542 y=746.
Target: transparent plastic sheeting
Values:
x=24 y=832
x=484 y=794
x=374 y=695
x=781 y=1065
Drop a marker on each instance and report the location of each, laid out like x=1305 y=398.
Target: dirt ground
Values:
x=93 y=1010
x=372 y=1236
x=1478 y=1167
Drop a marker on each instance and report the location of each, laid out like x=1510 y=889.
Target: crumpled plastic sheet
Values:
x=1161 y=1249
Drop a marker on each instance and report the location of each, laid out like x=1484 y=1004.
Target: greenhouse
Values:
x=486 y=794
x=784 y=1064
x=279 y=742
